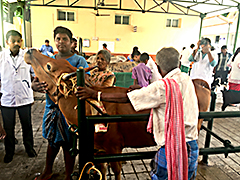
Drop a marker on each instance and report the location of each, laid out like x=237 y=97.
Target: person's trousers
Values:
x=221 y=74
x=9 y=121
x=159 y=162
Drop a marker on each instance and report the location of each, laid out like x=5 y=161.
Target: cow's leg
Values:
x=116 y=167
x=103 y=169
x=200 y=121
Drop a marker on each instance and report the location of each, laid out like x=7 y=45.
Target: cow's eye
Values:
x=48 y=67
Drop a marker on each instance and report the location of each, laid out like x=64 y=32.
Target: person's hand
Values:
x=85 y=92
x=2 y=133
x=133 y=87
x=198 y=43
x=39 y=86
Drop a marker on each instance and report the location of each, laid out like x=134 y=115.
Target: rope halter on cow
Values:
x=67 y=89
x=67 y=82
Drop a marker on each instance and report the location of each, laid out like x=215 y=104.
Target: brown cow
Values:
x=119 y=135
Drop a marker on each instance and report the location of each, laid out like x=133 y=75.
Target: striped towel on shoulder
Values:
x=175 y=143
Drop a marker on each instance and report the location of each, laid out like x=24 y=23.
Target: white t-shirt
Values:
x=153 y=96
x=185 y=55
x=202 y=69
x=155 y=73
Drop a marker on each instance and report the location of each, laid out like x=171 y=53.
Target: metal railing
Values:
x=85 y=131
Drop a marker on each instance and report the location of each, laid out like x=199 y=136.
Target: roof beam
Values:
x=157 y=6
x=217 y=10
x=196 y=4
x=74 y=2
x=215 y=25
x=105 y=8
x=205 y=2
x=138 y=4
x=50 y=2
x=234 y=1
x=142 y=5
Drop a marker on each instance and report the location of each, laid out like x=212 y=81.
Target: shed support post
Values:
x=228 y=33
x=200 y=31
x=24 y=25
x=236 y=34
x=2 y=28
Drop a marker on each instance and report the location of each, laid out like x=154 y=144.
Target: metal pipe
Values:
x=151 y=154
x=74 y=2
x=124 y=156
x=200 y=31
x=120 y=4
x=205 y=2
x=219 y=114
x=83 y=152
x=50 y=2
x=2 y=26
x=228 y=33
x=23 y=6
x=209 y=125
x=117 y=118
x=226 y=143
x=236 y=34
x=138 y=4
x=218 y=150
x=133 y=10
x=144 y=117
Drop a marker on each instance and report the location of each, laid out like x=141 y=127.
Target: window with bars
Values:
x=173 y=23
x=66 y=15
x=169 y=23
x=122 y=19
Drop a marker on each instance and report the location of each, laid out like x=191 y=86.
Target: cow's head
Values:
x=49 y=70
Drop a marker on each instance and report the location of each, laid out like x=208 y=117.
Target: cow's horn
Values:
x=89 y=68
x=65 y=77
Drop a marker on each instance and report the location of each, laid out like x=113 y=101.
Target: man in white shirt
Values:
x=154 y=97
x=186 y=53
x=16 y=95
x=204 y=61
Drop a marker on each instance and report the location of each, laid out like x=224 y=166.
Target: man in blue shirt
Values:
x=55 y=127
x=46 y=49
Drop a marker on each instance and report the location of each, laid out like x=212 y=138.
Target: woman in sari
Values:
x=101 y=76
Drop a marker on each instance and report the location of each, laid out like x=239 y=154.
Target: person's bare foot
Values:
x=44 y=176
